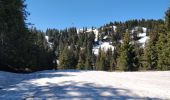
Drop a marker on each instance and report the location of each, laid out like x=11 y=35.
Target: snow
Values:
x=105 y=37
x=85 y=85
x=114 y=27
x=143 y=40
x=132 y=31
x=142 y=34
x=96 y=32
x=143 y=37
x=89 y=30
x=49 y=43
x=47 y=38
x=79 y=30
x=104 y=46
x=144 y=29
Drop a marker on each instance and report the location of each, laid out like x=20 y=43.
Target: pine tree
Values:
x=81 y=63
x=88 y=52
x=15 y=37
x=99 y=62
x=88 y=62
x=102 y=61
x=150 y=52
x=72 y=60
x=163 y=44
x=63 y=59
x=108 y=60
x=126 y=59
x=40 y=52
x=167 y=19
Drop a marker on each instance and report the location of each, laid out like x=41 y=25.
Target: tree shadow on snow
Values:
x=69 y=90
x=12 y=79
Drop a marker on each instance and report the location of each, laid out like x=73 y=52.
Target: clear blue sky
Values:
x=66 y=13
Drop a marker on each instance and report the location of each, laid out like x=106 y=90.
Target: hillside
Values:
x=106 y=43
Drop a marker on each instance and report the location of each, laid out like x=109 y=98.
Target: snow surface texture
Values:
x=85 y=85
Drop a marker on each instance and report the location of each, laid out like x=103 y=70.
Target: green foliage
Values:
x=23 y=49
x=99 y=61
x=163 y=48
x=67 y=58
x=128 y=59
x=150 y=55
x=167 y=19
x=123 y=60
x=81 y=62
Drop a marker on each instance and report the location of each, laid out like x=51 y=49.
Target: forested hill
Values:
x=101 y=48
x=125 y=46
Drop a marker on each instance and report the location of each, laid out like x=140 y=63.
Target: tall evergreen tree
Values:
x=15 y=37
x=81 y=63
x=162 y=47
x=167 y=19
x=164 y=43
x=150 y=52
x=126 y=59
x=63 y=59
x=100 y=60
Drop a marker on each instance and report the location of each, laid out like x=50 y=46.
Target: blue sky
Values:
x=66 y=13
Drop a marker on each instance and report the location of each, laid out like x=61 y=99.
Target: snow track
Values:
x=85 y=85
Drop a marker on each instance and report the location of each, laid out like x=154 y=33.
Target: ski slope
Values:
x=85 y=85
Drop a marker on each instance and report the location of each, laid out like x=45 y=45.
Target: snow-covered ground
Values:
x=104 y=46
x=85 y=85
x=143 y=37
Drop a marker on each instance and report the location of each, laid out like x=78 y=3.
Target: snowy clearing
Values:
x=88 y=85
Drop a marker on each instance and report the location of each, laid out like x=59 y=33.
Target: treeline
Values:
x=74 y=49
x=21 y=49
x=27 y=50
